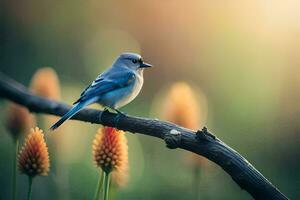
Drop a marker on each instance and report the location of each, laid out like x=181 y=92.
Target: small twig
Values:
x=204 y=135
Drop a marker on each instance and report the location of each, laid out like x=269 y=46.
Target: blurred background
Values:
x=241 y=59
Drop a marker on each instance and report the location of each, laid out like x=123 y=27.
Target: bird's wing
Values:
x=105 y=84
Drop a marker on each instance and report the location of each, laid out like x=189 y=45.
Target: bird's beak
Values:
x=145 y=65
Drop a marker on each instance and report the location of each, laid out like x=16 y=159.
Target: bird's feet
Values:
x=116 y=120
x=119 y=116
x=119 y=112
x=105 y=110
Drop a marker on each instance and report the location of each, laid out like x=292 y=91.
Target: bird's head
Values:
x=132 y=61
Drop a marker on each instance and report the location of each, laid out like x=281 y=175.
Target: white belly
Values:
x=121 y=97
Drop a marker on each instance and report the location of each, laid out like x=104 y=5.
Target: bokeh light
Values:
x=243 y=55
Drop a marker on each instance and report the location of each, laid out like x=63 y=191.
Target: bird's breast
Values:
x=120 y=97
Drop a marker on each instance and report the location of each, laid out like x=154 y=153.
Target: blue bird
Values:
x=114 y=88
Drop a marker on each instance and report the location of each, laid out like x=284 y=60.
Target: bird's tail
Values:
x=76 y=108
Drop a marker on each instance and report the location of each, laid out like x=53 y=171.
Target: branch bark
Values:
x=201 y=142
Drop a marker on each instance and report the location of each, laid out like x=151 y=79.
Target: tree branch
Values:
x=201 y=142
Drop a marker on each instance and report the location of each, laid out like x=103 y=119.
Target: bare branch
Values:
x=200 y=142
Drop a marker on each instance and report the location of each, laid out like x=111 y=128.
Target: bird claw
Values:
x=118 y=117
x=120 y=112
x=105 y=110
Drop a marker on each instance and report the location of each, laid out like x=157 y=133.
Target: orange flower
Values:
x=110 y=150
x=33 y=158
x=19 y=120
x=45 y=83
x=181 y=106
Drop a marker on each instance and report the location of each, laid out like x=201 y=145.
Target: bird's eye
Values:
x=134 y=61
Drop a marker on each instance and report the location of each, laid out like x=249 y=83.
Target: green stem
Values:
x=29 y=194
x=14 y=181
x=197 y=177
x=99 y=186
x=106 y=185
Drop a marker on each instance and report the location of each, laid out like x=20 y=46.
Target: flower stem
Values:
x=14 y=181
x=106 y=185
x=29 y=194
x=197 y=177
x=99 y=186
